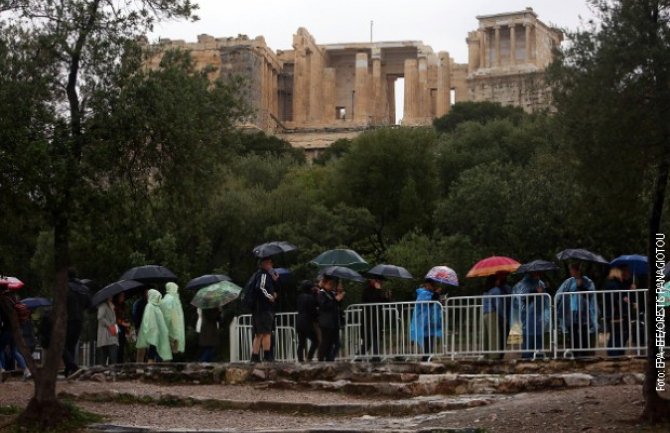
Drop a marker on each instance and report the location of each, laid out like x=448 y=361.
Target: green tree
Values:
x=612 y=91
x=393 y=174
x=479 y=112
x=75 y=50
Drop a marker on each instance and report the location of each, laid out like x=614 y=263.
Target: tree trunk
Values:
x=656 y=408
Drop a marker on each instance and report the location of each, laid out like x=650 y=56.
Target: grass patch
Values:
x=77 y=421
x=9 y=410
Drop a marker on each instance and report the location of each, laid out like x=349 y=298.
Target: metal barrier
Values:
x=394 y=330
x=284 y=337
x=493 y=326
x=595 y=323
x=600 y=323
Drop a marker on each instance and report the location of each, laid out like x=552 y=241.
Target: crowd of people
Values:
x=155 y=323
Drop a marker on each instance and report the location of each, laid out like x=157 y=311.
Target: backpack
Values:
x=248 y=294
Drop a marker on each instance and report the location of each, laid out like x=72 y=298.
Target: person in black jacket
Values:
x=262 y=316
x=306 y=322
x=78 y=301
x=329 y=318
x=373 y=294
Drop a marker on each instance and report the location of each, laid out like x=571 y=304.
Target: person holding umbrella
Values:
x=307 y=320
x=578 y=314
x=262 y=315
x=497 y=310
x=426 y=324
x=373 y=293
x=531 y=310
x=108 y=340
x=329 y=299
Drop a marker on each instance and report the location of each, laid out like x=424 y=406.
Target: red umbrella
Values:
x=493 y=265
x=12 y=283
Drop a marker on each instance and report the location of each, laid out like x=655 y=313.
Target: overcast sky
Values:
x=442 y=24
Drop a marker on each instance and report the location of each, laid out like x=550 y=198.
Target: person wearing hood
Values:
x=174 y=317
x=496 y=307
x=153 y=330
x=578 y=314
x=531 y=311
x=426 y=324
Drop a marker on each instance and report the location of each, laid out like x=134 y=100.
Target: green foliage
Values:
x=333 y=152
x=478 y=112
x=262 y=144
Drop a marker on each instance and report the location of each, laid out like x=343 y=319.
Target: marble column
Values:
x=483 y=55
x=528 y=51
x=424 y=91
x=378 y=92
x=361 y=87
x=300 y=87
x=512 y=44
x=411 y=91
x=329 y=95
x=497 y=46
x=443 y=103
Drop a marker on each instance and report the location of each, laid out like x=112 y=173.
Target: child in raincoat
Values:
x=174 y=317
x=426 y=324
x=154 y=331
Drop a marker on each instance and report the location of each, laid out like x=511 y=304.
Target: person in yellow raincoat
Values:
x=174 y=317
x=154 y=331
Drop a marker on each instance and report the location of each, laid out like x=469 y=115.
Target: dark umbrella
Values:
x=536 y=266
x=390 y=271
x=114 y=289
x=341 y=257
x=342 y=272
x=206 y=280
x=149 y=274
x=581 y=254
x=285 y=275
x=33 y=303
x=273 y=248
x=637 y=264
x=78 y=286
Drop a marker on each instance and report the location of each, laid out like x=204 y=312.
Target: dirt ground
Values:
x=593 y=409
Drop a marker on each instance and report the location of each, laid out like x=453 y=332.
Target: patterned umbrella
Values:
x=443 y=275
x=492 y=265
x=216 y=295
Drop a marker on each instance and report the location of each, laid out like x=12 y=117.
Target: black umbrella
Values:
x=206 y=280
x=536 y=266
x=149 y=274
x=114 y=289
x=581 y=254
x=78 y=286
x=273 y=248
x=342 y=272
x=33 y=303
x=390 y=271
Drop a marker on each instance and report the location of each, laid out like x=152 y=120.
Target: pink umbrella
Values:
x=442 y=274
x=12 y=283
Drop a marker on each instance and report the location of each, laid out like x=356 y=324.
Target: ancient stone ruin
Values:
x=314 y=94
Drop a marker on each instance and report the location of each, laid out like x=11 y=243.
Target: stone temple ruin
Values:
x=315 y=94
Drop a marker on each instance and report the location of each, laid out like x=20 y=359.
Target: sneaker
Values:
x=27 y=375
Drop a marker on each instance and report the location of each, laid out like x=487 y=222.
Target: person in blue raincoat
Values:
x=578 y=314
x=426 y=324
x=532 y=311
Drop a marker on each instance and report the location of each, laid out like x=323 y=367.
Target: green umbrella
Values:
x=341 y=257
x=216 y=295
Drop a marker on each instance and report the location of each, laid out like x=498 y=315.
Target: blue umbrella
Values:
x=285 y=275
x=33 y=303
x=637 y=264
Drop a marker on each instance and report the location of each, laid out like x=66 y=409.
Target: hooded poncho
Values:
x=154 y=331
x=174 y=315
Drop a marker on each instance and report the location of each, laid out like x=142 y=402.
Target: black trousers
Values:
x=330 y=344
x=72 y=334
x=304 y=334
